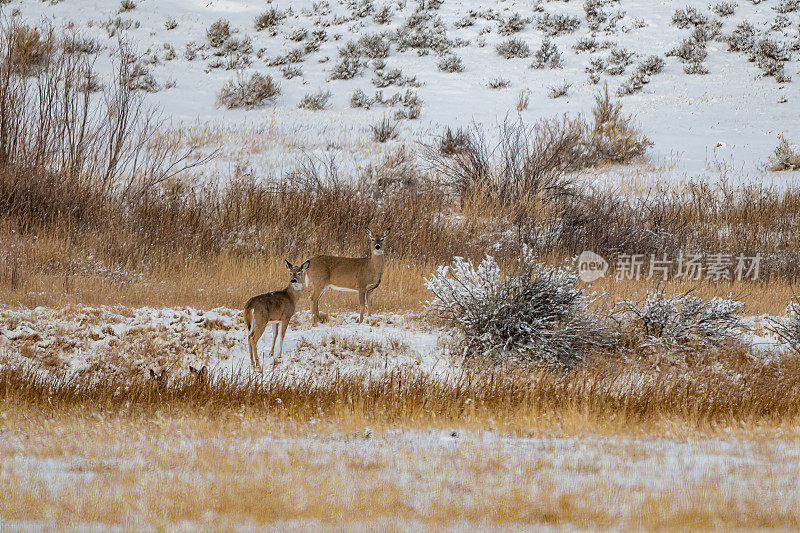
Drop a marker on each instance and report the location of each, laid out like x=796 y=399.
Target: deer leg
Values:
x=316 y=296
x=284 y=327
x=370 y=297
x=258 y=330
x=362 y=302
x=274 y=338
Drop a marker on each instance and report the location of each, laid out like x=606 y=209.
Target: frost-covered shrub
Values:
x=513 y=24
x=316 y=101
x=350 y=64
x=590 y=44
x=499 y=83
x=386 y=78
x=558 y=24
x=361 y=8
x=139 y=78
x=190 y=52
x=537 y=313
x=558 y=91
x=374 y=46
x=788 y=327
x=241 y=92
x=784 y=158
x=689 y=51
x=513 y=48
x=218 y=33
x=618 y=60
x=269 y=19
x=547 y=56
x=385 y=130
x=597 y=19
x=724 y=9
x=695 y=67
x=743 y=38
x=297 y=34
x=682 y=320
x=453 y=142
x=423 y=31
x=291 y=71
x=595 y=67
x=769 y=56
x=383 y=15
x=126 y=5
x=360 y=100
x=684 y=18
x=451 y=63
x=787 y=6
x=170 y=23
x=641 y=76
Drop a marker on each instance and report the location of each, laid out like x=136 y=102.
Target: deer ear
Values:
x=368 y=232
x=305 y=265
x=387 y=232
x=204 y=372
x=288 y=264
x=152 y=373
x=193 y=370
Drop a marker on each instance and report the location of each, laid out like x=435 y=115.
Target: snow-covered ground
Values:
x=114 y=339
x=120 y=339
x=724 y=124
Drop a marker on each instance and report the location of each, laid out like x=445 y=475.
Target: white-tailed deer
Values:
x=351 y=274
x=274 y=308
x=200 y=374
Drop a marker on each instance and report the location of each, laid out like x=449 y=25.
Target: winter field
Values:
x=586 y=314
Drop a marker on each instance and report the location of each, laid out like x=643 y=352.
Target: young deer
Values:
x=273 y=308
x=351 y=274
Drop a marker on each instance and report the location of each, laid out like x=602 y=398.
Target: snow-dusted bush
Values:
x=682 y=319
x=451 y=63
x=558 y=24
x=291 y=71
x=513 y=24
x=689 y=51
x=652 y=65
x=787 y=6
x=297 y=34
x=453 y=142
x=170 y=23
x=743 y=38
x=383 y=15
x=316 y=101
x=385 y=78
x=423 y=31
x=360 y=100
x=218 y=33
x=724 y=9
x=374 y=46
x=788 y=327
x=269 y=19
x=595 y=67
x=684 y=18
x=784 y=158
x=385 y=130
x=139 y=78
x=559 y=91
x=498 y=83
x=770 y=55
x=350 y=64
x=597 y=19
x=537 y=313
x=513 y=48
x=248 y=93
x=618 y=60
x=641 y=76
x=126 y=5
x=547 y=56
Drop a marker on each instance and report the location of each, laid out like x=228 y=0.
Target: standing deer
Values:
x=350 y=274
x=274 y=308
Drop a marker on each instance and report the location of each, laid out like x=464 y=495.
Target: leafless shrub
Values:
x=218 y=33
x=724 y=9
x=423 y=31
x=787 y=6
x=248 y=93
x=385 y=130
x=523 y=100
x=784 y=157
x=453 y=142
x=170 y=23
x=383 y=15
x=499 y=83
x=291 y=71
x=269 y=19
x=360 y=100
x=743 y=38
x=316 y=101
x=536 y=314
x=558 y=24
x=513 y=48
x=618 y=60
x=788 y=327
x=770 y=56
x=126 y=5
x=547 y=56
x=374 y=46
x=451 y=63
x=513 y=24
x=558 y=91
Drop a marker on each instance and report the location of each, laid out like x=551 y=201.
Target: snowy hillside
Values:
x=724 y=122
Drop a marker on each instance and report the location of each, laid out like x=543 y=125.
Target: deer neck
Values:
x=293 y=293
x=377 y=261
